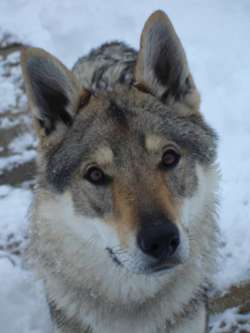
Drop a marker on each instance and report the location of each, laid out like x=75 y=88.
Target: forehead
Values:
x=112 y=129
x=118 y=120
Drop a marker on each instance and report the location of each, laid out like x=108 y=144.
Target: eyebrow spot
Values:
x=153 y=143
x=103 y=156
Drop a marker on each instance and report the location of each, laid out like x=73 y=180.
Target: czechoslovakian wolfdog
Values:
x=123 y=230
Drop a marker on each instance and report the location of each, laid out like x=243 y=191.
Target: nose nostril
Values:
x=173 y=245
x=155 y=248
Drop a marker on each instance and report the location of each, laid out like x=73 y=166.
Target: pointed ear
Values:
x=52 y=90
x=162 y=67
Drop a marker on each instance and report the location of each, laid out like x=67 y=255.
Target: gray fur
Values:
x=87 y=290
x=111 y=64
x=190 y=133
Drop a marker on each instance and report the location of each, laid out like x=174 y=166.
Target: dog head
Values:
x=134 y=166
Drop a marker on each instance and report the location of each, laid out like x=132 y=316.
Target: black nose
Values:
x=160 y=241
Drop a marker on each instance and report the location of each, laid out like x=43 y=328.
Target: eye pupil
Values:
x=170 y=158
x=95 y=175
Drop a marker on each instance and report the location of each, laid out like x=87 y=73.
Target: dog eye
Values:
x=170 y=158
x=96 y=176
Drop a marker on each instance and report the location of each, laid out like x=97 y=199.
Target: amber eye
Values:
x=96 y=176
x=170 y=158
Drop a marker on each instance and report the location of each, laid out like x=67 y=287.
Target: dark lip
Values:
x=114 y=257
x=160 y=267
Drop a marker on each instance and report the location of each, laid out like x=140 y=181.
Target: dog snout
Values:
x=159 y=241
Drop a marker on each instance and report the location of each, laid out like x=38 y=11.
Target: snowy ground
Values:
x=216 y=36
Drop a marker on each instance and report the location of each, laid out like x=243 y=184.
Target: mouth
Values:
x=152 y=269
x=114 y=257
x=160 y=268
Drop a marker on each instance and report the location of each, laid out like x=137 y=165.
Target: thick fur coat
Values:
x=123 y=229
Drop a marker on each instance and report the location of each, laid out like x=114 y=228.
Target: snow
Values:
x=22 y=302
x=216 y=37
x=227 y=322
x=14 y=204
x=22 y=142
x=10 y=162
x=23 y=149
x=10 y=84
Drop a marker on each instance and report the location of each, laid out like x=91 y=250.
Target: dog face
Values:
x=134 y=164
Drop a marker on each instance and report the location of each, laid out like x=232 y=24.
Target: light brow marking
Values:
x=153 y=143
x=104 y=156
